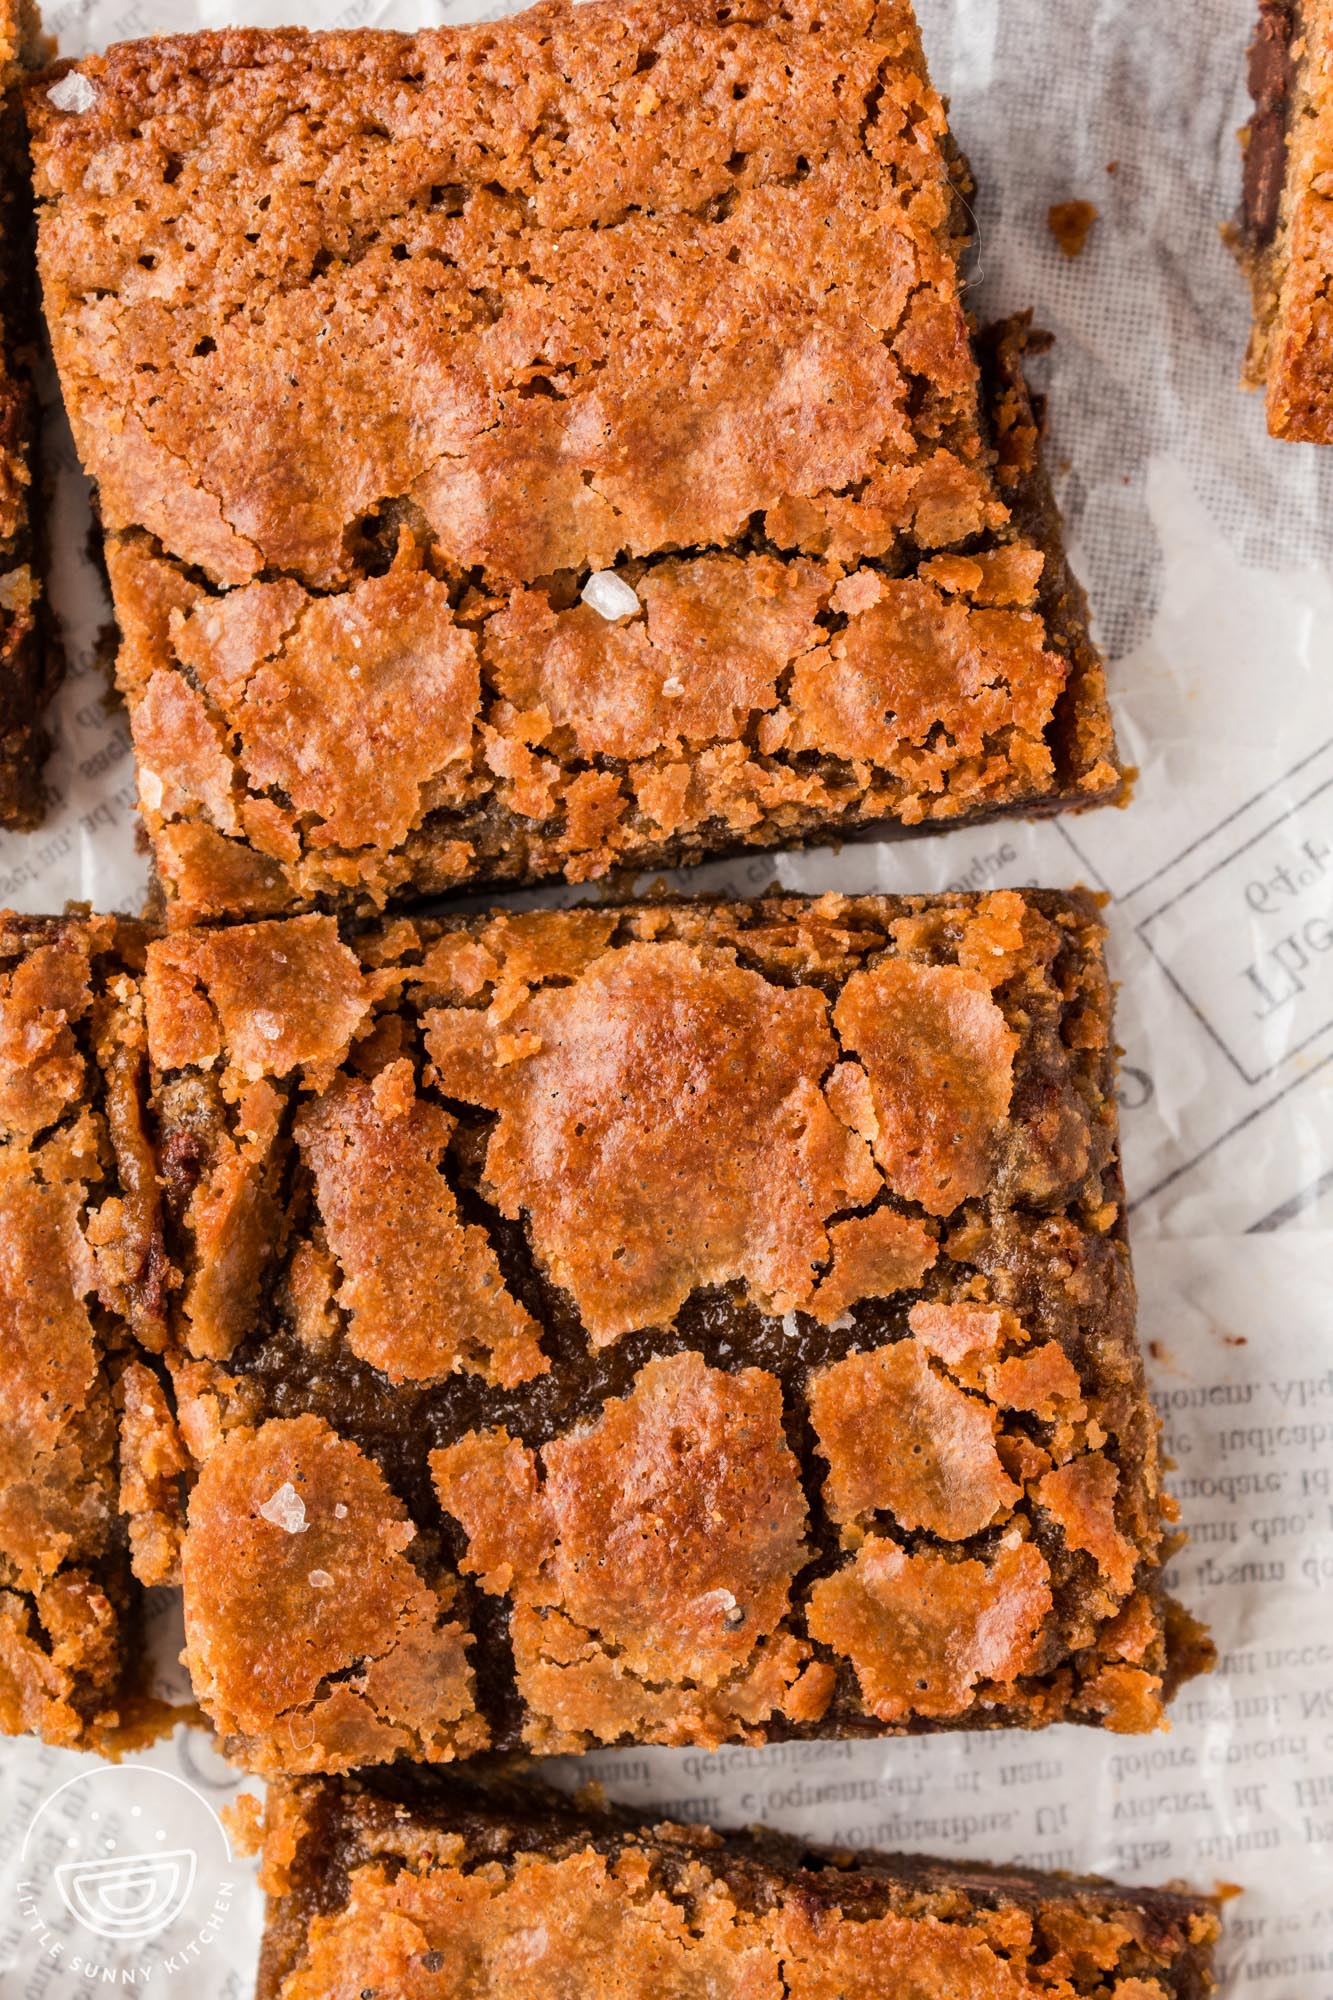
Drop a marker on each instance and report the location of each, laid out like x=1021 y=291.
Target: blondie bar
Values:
x=81 y=1270
x=548 y=446
x=1285 y=233
x=427 y=1888
x=680 y=1322
x=30 y=655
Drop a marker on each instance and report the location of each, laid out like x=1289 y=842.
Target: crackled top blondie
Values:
x=675 y=1322
x=1285 y=232
x=551 y=445
x=433 y=1890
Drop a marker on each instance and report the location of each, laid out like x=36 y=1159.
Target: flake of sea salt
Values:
x=610 y=595
x=72 y=93
x=673 y=687
x=286 y=1509
x=789 y=1326
x=319 y=1579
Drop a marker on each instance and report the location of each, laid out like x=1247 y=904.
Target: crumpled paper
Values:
x=1206 y=549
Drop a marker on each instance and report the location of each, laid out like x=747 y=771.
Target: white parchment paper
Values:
x=1206 y=548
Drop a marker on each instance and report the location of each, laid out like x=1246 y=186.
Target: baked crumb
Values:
x=1070 y=223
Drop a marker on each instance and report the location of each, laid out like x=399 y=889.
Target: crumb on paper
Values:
x=243 y=1818
x=72 y=93
x=286 y=1509
x=1069 y=223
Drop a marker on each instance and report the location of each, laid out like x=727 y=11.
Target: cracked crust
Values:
x=312 y=1638
x=686 y=303
x=1284 y=236
x=81 y=1265
x=589 y=1232
x=429 y=1888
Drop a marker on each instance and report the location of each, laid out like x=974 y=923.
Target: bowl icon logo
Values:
x=130 y=1895
x=125 y=1876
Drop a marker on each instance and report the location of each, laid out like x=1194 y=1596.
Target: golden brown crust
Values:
x=713 y=1105
x=421 y=1288
x=433 y=1889
x=652 y=1571
x=733 y=1298
x=310 y=1635
x=686 y=304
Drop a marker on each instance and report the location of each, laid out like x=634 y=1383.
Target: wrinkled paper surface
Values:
x=1206 y=550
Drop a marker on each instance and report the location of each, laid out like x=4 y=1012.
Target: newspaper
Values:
x=1207 y=552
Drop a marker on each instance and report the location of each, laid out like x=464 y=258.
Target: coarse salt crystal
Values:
x=610 y=595
x=843 y=1323
x=340 y=1512
x=72 y=93
x=789 y=1326
x=286 y=1509
x=673 y=687
x=319 y=1579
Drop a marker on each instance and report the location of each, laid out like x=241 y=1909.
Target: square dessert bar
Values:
x=680 y=1323
x=424 y=1887
x=1285 y=233
x=30 y=657
x=80 y=1265
x=552 y=445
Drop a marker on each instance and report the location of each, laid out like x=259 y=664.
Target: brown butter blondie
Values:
x=381 y=348
x=676 y=1322
x=430 y=1890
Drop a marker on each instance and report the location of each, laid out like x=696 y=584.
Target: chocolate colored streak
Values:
x=1271 y=75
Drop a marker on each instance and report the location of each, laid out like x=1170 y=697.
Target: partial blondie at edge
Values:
x=82 y=1291
x=1284 y=234
x=379 y=360
x=30 y=655
x=678 y=1322
x=438 y=1888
